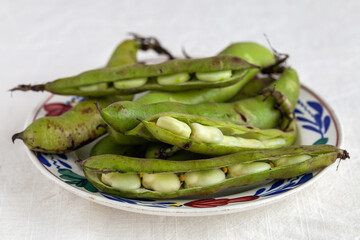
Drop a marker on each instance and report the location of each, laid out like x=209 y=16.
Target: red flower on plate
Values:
x=56 y=109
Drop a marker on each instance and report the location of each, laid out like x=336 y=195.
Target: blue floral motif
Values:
x=54 y=158
x=317 y=123
x=43 y=159
x=282 y=185
x=75 y=100
x=143 y=202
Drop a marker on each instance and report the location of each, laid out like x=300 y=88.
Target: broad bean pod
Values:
x=209 y=136
x=67 y=132
x=257 y=112
x=136 y=78
x=151 y=178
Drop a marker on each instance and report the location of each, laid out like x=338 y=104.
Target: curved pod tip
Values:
x=17 y=136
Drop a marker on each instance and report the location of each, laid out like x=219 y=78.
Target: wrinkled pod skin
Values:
x=246 y=137
x=258 y=112
x=320 y=156
x=79 y=125
x=249 y=51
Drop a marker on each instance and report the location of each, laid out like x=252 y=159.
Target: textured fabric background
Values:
x=43 y=40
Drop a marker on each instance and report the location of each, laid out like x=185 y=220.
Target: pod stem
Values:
x=23 y=87
x=280 y=61
x=98 y=107
x=17 y=136
x=147 y=43
x=186 y=55
x=342 y=155
x=283 y=104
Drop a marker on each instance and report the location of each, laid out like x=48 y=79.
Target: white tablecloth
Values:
x=43 y=40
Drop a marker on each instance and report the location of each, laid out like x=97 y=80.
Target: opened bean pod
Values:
x=209 y=136
x=154 y=178
x=173 y=75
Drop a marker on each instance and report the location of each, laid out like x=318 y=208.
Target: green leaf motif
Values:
x=88 y=186
x=321 y=141
x=77 y=180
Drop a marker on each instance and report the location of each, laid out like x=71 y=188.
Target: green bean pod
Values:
x=295 y=161
x=70 y=86
x=131 y=79
x=209 y=136
x=257 y=112
x=67 y=132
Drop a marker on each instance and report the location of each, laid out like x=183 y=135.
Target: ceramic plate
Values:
x=317 y=124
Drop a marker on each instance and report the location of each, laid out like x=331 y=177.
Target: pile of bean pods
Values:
x=204 y=125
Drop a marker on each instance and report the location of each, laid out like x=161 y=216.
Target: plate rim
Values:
x=183 y=212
